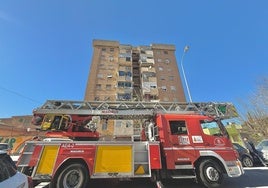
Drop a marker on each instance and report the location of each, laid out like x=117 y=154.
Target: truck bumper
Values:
x=234 y=168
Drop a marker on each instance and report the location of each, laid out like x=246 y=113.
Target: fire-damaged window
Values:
x=178 y=127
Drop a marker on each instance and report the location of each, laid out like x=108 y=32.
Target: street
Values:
x=256 y=177
x=253 y=177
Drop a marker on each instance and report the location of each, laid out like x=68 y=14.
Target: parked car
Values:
x=263 y=147
x=4 y=147
x=244 y=155
x=10 y=176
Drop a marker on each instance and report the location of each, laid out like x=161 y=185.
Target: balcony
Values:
x=146 y=60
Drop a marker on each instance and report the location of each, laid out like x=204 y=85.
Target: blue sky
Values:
x=46 y=46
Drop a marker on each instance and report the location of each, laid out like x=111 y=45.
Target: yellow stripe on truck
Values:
x=47 y=160
x=114 y=159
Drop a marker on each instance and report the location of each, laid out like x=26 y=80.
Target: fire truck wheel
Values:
x=210 y=173
x=73 y=175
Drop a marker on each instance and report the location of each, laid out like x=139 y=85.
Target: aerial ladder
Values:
x=78 y=120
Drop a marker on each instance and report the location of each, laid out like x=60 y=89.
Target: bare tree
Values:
x=256 y=117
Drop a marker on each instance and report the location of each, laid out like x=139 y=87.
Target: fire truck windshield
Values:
x=213 y=127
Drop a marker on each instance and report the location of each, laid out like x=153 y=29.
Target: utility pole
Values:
x=186 y=48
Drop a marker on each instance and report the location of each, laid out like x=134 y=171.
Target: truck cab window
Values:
x=178 y=127
x=211 y=128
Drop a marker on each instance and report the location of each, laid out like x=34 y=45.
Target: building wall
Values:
x=167 y=71
x=125 y=72
x=103 y=71
x=16 y=130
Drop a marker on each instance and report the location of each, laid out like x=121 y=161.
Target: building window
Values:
x=162 y=77
x=98 y=86
x=165 y=99
x=160 y=68
x=171 y=78
x=100 y=76
x=97 y=98
x=153 y=86
x=120 y=84
x=124 y=84
x=111 y=49
x=159 y=60
x=142 y=52
x=167 y=61
x=165 y=52
x=164 y=88
x=103 y=49
x=128 y=74
x=145 y=78
x=101 y=66
x=108 y=86
x=173 y=88
x=121 y=73
x=128 y=58
x=111 y=58
x=127 y=84
x=111 y=67
x=143 y=58
x=124 y=96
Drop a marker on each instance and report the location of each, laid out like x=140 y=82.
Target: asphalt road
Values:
x=253 y=178
x=256 y=177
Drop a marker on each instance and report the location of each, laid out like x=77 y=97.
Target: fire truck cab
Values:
x=175 y=141
x=196 y=146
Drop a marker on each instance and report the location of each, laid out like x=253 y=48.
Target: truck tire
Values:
x=71 y=176
x=209 y=173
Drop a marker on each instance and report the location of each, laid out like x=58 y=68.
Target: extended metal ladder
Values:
x=130 y=110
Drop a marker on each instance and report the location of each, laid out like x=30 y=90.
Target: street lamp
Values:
x=186 y=48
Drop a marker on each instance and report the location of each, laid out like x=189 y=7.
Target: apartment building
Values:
x=121 y=72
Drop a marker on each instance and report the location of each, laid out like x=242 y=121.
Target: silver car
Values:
x=10 y=176
x=263 y=147
x=4 y=147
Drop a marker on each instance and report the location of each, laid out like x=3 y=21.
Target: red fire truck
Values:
x=169 y=140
